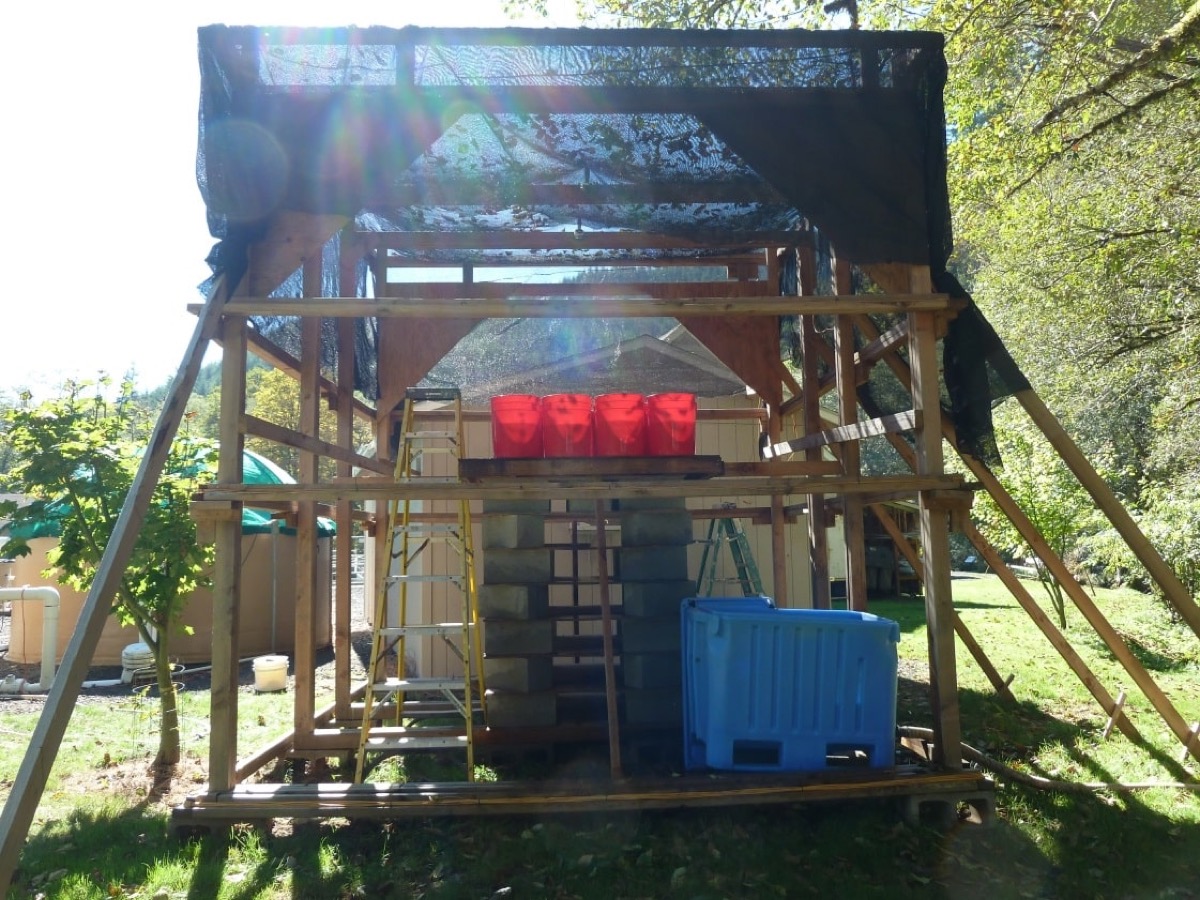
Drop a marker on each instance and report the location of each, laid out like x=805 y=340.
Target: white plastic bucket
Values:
x=270 y=673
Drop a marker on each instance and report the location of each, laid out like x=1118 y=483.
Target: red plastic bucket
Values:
x=620 y=425
x=671 y=424
x=516 y=426
x=568 y=425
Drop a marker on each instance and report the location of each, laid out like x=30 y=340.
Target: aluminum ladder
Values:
x=398 y=710
x=722 y=530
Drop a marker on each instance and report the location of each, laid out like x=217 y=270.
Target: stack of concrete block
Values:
x=518 y=633
x=652 y=569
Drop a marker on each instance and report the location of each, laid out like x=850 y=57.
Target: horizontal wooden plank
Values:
x=546 y=489
x=905 y=421
x=593 y=467
x=253 y=801
x=550 y=304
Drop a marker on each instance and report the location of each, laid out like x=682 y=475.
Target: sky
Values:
x=107 y=237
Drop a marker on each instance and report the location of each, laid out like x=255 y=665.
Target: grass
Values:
x=97 y=836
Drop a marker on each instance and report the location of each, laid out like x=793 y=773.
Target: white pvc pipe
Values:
x=49 y=598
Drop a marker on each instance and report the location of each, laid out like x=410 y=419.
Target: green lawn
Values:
x=97 y=837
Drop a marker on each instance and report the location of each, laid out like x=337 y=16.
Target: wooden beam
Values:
x=1026 y=528
x=904 y=545
x=344 y=514
x=818 y=536
x=275 y=356
x=290 y=237
x=893 y=424
x=1056 y=638
x=853 y=528
x=567 y=239
x=227 y=568
x=491 y=300
x=476 y=193
x=377 y=488
x=606 y=631
x=1177 y=595
x=47 y=735
x=252 y=425
x=307 y=570
x=935 y=534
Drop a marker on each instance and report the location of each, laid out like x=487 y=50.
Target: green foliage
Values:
x=79 y=455
x=1047 y=492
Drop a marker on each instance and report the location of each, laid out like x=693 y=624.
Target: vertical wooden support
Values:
x=847 y=395
x=960 y=628
x=779 y=566
x=935 y=532
x=47 y=734
x=818 y=537
x=227 y=566
x=606 y=625
x=306 y=513
x=343 y=513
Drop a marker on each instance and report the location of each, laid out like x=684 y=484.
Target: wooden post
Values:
x=847 y=394
x=343 y=513
x=818 y=537
x=307 y=569
x=227 y=567
x=43 y=744
x=779 y=567
x=1177 y=595
x=606 y=626
x=935 y=533
x=960 y=628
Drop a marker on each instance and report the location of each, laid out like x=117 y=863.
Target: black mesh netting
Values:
x=713 y=135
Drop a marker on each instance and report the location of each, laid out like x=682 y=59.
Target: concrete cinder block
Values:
x=508 y=709
x=508 y=637
x=665 y=527
x=523 y=674
x=513 y=601
x=652 y=564
x=527 y=507
x=513 y=531
x=659 y=635
x=655 y=598
x=651 y=670
x=533 y=565
x=654 y=706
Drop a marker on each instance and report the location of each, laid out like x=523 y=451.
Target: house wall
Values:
x=267 y=616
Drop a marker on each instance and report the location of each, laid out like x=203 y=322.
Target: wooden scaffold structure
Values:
x=346 y=171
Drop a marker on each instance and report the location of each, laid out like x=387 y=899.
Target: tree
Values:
x=78 y=455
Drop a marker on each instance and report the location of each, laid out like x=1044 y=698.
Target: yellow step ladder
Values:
x=396 y=708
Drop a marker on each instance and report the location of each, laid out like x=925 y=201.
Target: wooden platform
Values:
x=593 y=467
x=255 y=802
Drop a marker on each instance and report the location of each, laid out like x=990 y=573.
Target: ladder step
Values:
x=401 y=739
x=412 y=685
x=432 y=393
x=430 y=436
x=428 y=528
x=396 y=579
x=428 y=628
